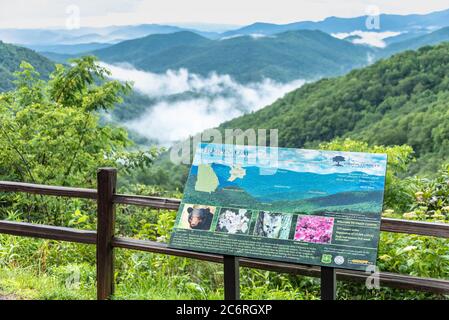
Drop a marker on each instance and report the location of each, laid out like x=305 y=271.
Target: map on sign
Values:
x=302 y=206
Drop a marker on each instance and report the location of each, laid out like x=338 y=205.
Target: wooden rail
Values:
x=105 y=240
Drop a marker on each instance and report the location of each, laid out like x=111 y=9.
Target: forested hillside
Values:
x=283 y=57
x=134 y=51
x=10 y=58
x=401 y=100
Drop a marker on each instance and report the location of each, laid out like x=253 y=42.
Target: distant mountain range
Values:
x=69 y=49
x=307 y=50
x=388 y=22
x=137 y=49
x=283 y=57
x=441 y=35
x=413 y=24
x=306 y=54
x=108 y=35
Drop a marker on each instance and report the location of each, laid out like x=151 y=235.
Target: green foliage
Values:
x=10 y=58
x=431 y=198
x=163 y=173
x=50 y=132
x=414 y=255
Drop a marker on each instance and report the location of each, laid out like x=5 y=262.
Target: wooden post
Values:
x=106 y=184
x=231 y=278
x=328 y=283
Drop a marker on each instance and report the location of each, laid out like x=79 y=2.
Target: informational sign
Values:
x=302 y=206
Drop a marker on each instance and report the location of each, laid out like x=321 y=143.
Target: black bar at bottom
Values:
x=231 y=278
x=328 y=283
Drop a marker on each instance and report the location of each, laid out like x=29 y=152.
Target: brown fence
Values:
x=106 y=241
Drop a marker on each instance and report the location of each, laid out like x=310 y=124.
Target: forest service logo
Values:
x=326 y=258
x=339 y=260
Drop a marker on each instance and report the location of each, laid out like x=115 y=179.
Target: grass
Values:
x=24 y=284
x=47 y=270
x=21 y=284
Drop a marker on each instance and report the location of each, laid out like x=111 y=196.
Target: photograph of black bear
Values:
x=199 y=218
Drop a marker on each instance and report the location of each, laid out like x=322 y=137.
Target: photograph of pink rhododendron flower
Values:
x=314 y=229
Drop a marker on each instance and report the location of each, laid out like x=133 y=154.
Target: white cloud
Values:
x=252 y=35
x=152 y=84
x=232 y=37
x=260 y=35
x=217 y=98
x=374 y=39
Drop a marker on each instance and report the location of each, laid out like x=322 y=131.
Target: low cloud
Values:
x=252 y=35
x=189 y=103
x=374 y=39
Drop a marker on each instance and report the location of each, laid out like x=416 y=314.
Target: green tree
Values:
x=50 y=132
x=338 y=159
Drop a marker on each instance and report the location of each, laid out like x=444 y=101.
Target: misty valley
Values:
x=168 y=108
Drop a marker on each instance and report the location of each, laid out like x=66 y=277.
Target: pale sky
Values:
x=56 y=13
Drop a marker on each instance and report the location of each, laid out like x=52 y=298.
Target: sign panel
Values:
x=302 y=206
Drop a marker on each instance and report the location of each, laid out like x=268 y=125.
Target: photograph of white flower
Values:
x=234 y=221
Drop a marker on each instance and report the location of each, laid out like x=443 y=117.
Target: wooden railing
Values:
x=106 y=241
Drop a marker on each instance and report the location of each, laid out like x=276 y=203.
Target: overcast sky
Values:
x=56 y=13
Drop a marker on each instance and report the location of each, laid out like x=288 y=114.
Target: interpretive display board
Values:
x=302 y=206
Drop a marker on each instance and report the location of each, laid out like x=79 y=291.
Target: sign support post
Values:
x=231 y=278
x=328 y=283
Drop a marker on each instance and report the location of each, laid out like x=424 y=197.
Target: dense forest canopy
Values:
x=10 y=58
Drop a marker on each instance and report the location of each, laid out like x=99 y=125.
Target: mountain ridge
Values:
x=285 y=57
x=389 y=22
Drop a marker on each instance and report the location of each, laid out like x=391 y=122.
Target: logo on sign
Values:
x=326 y=258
